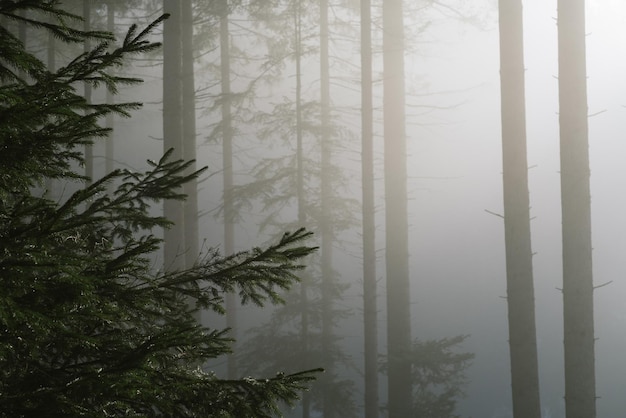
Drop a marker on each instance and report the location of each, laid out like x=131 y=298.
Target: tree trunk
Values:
x=580 y=395
x=326 y=228
x=519 y=268
x=172 y=128
x=227 y=167
x=189 y=135
x=109 y=151
x=87 y=89
x=396 y=219
x=51 y=184
x=304 y=332
x=22 y=36
x=370 y=310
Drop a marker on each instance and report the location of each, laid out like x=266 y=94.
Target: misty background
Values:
x=456 y=239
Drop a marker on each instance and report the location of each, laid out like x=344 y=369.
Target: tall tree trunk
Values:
x=326 y=231
x=227 y=167
x=22 y=36
x=51 y=184
x=189 y=135
x=370 y=309
x=172 y=128
x=519 y=267
x=304 y=332
x=109 y=151
x=89 y=172
x=580 y=394
x=396 y=218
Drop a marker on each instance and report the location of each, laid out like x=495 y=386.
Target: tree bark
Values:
x=172 y=128
x=519 y=267
x=396 y=217
x=370 y=309
x=109 y=151
x=227 y=167
x=580 y=395
x=304 y=331
x=326 y=228
x=89 y=172
x=51 y=184
x=189 y=135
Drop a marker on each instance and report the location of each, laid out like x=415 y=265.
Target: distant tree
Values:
x=580 y=390
x=188 y=101
x=396 y=212
x=109 y=153
x=328 y=278
x=86 y=326
x=370 y=293
x=51 y=51
x=438 y=376
x=89 y=167
x=303 y=180
x=174 y=237
x=519 y=265
x=306 y=341
x=227 y=136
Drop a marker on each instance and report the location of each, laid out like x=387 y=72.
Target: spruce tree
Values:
x=87 y=326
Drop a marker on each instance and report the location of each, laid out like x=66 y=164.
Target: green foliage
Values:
x=87 y=327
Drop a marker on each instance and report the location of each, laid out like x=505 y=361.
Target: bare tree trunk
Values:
x=109 y=151
x=89 y=172
x=370 y=309
x=326 y=228
x=189 y=135
x=172 y=128
x=22 y=35
x=304 y=332
x=519 y=267
x=580 y=392
x=396 y=217
x=51 y=184
x=227 y=167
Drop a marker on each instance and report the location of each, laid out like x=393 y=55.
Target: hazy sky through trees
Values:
x=469 y=59
x=457 y=264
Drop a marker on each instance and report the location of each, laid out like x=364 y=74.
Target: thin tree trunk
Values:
x=326 y=232
x=89 y=172
x=189 y=135
x=172 y=128
x=109 y=150
x=519 y=267
x=580 y=393
x=51 y=190
x=370 y=310
x=227 y=167
x=306 y=397
x=22 y=35
x=396 y=217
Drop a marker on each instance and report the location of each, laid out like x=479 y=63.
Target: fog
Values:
x=455 y=199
